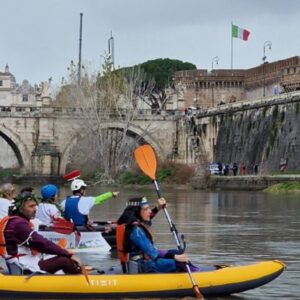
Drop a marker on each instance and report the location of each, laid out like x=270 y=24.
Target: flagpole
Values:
x=231 y=47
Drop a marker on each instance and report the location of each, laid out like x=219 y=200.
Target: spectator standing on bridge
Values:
x=7 y=194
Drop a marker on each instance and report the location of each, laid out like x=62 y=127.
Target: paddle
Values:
x=85 y=273
x=62 y=226
x=72 y=175
x=146 y=160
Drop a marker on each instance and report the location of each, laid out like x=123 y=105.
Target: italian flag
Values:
x=238 y=32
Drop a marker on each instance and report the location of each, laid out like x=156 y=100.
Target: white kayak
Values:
x=87 y=241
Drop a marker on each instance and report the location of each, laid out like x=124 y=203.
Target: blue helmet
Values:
x=48 y=191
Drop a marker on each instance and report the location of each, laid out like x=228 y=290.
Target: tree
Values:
x=162 y=72
x=104 y=97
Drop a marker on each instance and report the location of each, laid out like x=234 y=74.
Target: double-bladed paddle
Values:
x=146 y=160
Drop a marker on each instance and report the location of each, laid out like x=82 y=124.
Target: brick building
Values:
x=203 y=89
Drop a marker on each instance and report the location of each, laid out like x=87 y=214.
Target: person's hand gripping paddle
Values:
x=146 y=160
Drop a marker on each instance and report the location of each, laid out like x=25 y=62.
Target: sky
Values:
x=39 y=38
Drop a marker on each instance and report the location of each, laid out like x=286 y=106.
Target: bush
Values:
x=168 y=172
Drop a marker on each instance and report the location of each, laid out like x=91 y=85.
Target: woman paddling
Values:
x=138 y=241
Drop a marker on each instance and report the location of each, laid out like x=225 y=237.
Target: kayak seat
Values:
x=134 y=267
x=14 y=269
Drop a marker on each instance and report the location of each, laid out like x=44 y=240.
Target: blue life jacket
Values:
x=72 y=211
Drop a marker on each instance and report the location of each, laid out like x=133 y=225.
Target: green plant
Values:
x=284 y=187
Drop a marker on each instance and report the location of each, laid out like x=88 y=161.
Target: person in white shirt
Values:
x=48 y=209
x=77 y=207
x=7 y=194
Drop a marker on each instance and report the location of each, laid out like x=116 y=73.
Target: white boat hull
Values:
x=91 y=241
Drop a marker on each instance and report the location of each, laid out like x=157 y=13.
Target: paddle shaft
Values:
x=174 y=231
x=146 y=159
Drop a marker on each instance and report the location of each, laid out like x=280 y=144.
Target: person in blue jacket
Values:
x=138 y=240
x=77 y=207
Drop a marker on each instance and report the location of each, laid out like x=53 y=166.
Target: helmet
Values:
x=48 y=191
x=77 y=184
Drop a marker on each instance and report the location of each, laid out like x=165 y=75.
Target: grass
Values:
x=285 y=187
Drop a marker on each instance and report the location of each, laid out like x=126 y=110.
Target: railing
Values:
x=250 y=104
x=38 y=111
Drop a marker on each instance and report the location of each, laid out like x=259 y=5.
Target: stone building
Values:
x=23 y=94
x=203 y=89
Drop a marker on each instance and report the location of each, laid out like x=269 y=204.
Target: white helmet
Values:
x=77 y=184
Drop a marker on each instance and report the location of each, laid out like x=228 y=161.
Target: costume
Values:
x=47 y=212
x=24 y=247
x=78 y=208
x=146 y=255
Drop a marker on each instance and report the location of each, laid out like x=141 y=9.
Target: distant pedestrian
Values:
x=243 y=169
x=220 y=167
x=235 y=169
x=226 y=169
x=255 y=169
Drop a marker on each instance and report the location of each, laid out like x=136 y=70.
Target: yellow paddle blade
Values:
x=146 y=160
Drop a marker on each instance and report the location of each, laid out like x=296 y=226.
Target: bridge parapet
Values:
x=253 y=104
x=67 y=112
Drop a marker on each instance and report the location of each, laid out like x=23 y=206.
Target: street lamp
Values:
x=267 y=44
x=216 y=60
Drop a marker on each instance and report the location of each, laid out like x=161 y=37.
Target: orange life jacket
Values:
x=3 y=224
x=120 y=234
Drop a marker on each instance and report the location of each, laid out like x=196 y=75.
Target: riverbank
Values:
x=247 y=182
x=214 y=182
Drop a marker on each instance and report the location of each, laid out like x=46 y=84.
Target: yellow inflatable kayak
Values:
x=213 y=281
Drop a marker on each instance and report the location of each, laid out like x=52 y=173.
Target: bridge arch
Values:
x=133 y=131
x=19 y=148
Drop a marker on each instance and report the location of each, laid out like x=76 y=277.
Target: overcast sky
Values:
x=39 y=38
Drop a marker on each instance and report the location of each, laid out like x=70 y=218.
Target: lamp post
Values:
x=267 y=44
x=214 y=60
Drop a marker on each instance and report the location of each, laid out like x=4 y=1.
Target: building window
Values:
x=1 y=82
x=25 y=98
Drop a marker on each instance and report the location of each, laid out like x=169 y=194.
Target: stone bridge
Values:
x=42 y=137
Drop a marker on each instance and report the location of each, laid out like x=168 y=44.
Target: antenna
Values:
x=111 y=50
x=80 y=44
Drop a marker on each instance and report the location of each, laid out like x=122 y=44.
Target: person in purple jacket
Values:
x=26 y=248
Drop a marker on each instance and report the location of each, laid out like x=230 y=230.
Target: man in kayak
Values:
x=77 y=207
x=20 y=245
x=138 y=241
x=48 y=209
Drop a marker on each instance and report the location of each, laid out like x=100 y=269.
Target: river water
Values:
x=223 y=227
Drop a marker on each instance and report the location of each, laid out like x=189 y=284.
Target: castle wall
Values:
x=205 y=89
